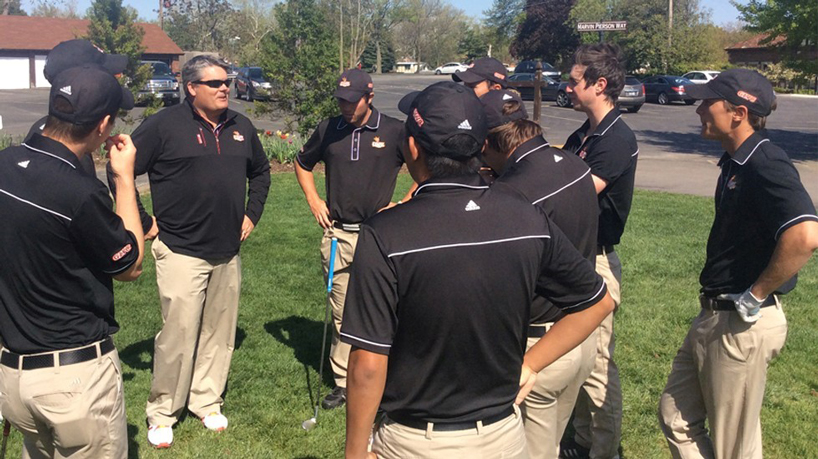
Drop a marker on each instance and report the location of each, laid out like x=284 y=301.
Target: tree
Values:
x=252 y=22
x=430 y=32
x=56 y=9
x=13 y=8
x=199 y=24
x=795 y=20
x=502 y=21
x=546 y=33
x=473 y=43
x=113 y=29
x=299 y=57
x=369 y=59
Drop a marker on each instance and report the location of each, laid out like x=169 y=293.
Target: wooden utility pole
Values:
x=669 y=32
x=537 y=91
x=161 y=15
x=341 y=35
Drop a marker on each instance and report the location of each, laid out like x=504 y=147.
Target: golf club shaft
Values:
x=6 y=432
x=330 y=275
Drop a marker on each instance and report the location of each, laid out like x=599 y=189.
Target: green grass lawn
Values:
x=280 y=324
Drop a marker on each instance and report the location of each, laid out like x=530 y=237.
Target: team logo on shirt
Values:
x=731 y=184
x=66 y=89
x=557 y=158
x=238 y=137
x=376 y=143
x=24 y=164
x=582 y=154
x=344 y=83
x=125 y=250
x=464 y=125
x=472 y=206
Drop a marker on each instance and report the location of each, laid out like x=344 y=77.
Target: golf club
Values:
x=310 y=423
x=6 y=431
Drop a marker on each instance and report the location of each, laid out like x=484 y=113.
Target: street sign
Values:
x=607 y=26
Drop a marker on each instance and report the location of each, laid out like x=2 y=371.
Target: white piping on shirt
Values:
x=751 y=153
x=794 y=219
x=589 y=299
x=473 y=187
x=561 y=189
x=34 y=205
x=637 y=152
x=49 y=154
x=531 y=151
x=470 y=244
x=366 y=341
x=609 y=126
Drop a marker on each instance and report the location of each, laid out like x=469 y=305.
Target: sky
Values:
x=723 y=12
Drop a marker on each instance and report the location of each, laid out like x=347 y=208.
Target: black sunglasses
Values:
x=215 y=84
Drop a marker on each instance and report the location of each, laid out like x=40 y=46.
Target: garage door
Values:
x=39 y=78
x=15 y=73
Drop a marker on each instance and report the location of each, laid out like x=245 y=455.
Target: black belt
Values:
x=714 y=304
x=603 y=249
x=453 y=426
x=351 y=227
x=34 y=362
x=536 y=331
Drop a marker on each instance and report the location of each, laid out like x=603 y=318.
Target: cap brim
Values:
x=115 y=63
x=468 y=77
x=702 y=92
x=349 y=95
x=127 y=99
x=405 y=104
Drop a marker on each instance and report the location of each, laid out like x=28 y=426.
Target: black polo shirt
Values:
x=362 y=163
x=611 y=152
x=759 y=195
x=199 y=178
x=443 y=284
x=86 y=162
x=560 y=184
x=60 y=243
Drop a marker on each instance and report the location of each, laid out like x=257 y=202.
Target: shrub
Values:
x=281 y=146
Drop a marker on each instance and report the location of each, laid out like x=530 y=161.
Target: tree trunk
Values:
x=378 y=57
x=341 y=34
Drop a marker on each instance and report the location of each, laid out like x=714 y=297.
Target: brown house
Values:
x=752 y=54
x=25 y=43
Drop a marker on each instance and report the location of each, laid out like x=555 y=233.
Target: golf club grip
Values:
x=331 y=273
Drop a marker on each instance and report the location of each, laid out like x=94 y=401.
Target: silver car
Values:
x=701 y=76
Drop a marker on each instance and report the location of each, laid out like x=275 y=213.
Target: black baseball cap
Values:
x=739 y=87
x=92 y=93
x=72 y=53
x=441 y=111
x=485 y=68
x=493 y=102
x=352 y=85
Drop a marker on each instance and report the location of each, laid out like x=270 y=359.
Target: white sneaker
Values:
x=215 y=422
x=160 y=436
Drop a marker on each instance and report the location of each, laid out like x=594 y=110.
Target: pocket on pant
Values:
x=740 y=341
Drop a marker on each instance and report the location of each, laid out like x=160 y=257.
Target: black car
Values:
x=162 y=84
x=631 y=98
x=548 y=90
x=251 y=84
x=531 y=67
x=664 y=89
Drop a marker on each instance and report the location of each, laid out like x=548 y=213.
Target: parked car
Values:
x=701 y=76
x=664 y=89
x=232 y=72
x=548 y=90
x=162 y=84
x=451 y=67
x=531 y=67
x=251 y=85
x=631 y=98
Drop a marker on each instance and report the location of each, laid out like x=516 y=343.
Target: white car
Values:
x=701 y=76
x=451 y=67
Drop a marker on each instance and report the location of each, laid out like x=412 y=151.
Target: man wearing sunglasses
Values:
x=200 y=157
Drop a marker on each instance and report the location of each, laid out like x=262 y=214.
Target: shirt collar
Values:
x=226 y=115
x=50 y=147
x=532 y=145
x=372 y=123
x=464 y=182
x=746 y=150
x=604 y=125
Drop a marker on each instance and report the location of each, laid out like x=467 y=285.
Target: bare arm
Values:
x=792 y=251
x=406 y=198
x=122 y=153
x=599 y=184
x=565 y=335
x=365 y=384
x=318 y=206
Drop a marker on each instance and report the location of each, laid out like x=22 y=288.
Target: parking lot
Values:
x=672 y=156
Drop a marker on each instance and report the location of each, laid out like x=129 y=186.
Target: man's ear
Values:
x=191 y=89
x=600 y=85
x=740 y=113
x=414 y=148
x=103 y=125
x=370 y=97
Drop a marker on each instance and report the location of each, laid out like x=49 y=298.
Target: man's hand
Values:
x=121 y=154
x=747 y=305
x=527 y=379
x=319 y=210
x=388 y=206
x=247 y=227
x=153 y=232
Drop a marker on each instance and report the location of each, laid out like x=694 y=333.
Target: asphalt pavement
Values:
x=672 y=155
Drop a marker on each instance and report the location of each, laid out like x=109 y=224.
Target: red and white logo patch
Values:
x=417 y=117
x=747 y=96
x=124 y=251
x=499 y=75
x=582 y=154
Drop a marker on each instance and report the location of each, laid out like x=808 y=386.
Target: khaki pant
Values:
x=339 y=352
x=503 y=439
x=75 y=411
x=719 y=375
x=598 y=414
x=192 y=352
x=548 y=407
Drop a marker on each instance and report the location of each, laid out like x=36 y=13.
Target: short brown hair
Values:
x=756 y=122
x=507 y=137
x=63 y=129
x=602 y=60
